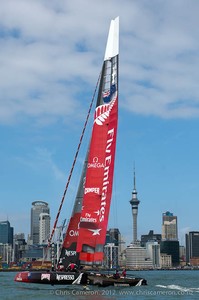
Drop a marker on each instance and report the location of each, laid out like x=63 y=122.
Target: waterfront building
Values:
x=134 y=205
x=33 y=253
x=38 y=207
x=6 y=253
x=171 y=248
x=150 y=237
x=165 y=261
x=192 y=245
x=194 y=261
x=153 y=251
x=137 y=257
x=113 y=247
x=44 y=228
x=19 y=246
x=169 y=226
x=111 y=256
x=6 y=233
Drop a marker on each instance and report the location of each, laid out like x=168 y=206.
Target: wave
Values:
x=179 y=288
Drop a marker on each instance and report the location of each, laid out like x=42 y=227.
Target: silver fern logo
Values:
x=102 y=112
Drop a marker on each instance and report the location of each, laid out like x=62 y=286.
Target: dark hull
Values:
x=84 y=278
x=106 y=280
x=47 y=277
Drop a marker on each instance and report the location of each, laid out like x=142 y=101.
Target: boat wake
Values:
x=179 y=288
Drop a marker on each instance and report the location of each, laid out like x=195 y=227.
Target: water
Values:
x=161 y=285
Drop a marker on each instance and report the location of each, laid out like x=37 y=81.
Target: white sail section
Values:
x=112 y=46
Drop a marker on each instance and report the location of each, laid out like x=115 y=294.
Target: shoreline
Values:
x=130 y=270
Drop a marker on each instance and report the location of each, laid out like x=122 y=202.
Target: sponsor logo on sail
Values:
x=95 y=163
x=73 y=232
x=105 y=185
x=86 y=219
x=70 y=253
x=95 y=231
x=95 y=190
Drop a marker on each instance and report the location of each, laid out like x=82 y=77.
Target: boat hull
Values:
x=47 y=277
x=106 y=280
x=67 y=278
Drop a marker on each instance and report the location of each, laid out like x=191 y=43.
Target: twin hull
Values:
x=84 y=278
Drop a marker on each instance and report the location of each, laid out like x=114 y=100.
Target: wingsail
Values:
x=86 y=232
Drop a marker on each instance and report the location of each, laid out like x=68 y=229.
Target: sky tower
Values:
x=134 y=204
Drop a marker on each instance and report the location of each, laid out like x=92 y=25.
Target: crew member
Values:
x=116 y=275
x=72 y=267
x=60 y=267
x=124 y=273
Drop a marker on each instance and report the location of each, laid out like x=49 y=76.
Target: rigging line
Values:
x=74 y=161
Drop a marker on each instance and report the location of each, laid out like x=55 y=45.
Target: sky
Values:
x=51 y=53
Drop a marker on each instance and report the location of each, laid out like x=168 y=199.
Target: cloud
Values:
x=51 y=53
x=41 y=69
x=162 y=69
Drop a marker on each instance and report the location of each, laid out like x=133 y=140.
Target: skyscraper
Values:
x=38 y=207
x=169 y=226
x=171 y=247
x=44 y=228
x=6 y=233
x=153 y=251
x=192 y=245
x=112 y=248
x=113 y=236
x=111 y=256
x=134 y=204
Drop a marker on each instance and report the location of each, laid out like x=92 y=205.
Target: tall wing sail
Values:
x=87 y=227
x=101 y=156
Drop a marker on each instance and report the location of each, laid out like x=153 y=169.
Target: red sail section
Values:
x=99 y=180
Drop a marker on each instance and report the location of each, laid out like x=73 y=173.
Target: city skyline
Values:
x=48 y=75
x=170 y=233
x=167 y=215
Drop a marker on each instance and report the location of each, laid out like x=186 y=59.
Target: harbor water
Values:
x=174 y=284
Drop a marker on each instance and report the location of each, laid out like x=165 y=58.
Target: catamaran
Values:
x=86 y=232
